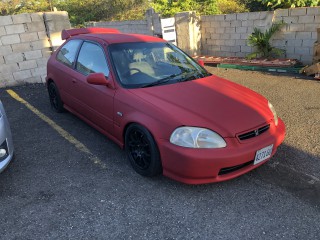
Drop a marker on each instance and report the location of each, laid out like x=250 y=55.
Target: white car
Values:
x=6 y=145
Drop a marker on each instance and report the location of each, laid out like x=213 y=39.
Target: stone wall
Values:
x=149 y=26
x=300 y=33
x=27 y=40
x=188 y=32
x=226 y=35
x=25 y=45
x=137 y=26
x=55 y=22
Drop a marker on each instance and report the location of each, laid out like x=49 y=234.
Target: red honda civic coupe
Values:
x=169 y=114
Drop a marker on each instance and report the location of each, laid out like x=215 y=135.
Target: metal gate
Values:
x=169 y=30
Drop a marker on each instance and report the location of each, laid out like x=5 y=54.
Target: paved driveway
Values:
x=68 y=181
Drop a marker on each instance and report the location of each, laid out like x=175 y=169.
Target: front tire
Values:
x=142 y=151
x=55 y=99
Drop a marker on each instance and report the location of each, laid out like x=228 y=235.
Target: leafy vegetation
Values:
x=261 y=42
x=169 y=8
x=253 y=6
x=9 y=7
x=81 y=11
x=274 y=4
x=227 y=6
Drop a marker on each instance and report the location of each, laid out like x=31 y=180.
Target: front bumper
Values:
x=199 y=166
x=5 y=140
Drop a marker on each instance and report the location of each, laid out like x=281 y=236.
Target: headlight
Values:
x=194 y=137
x=275 y=116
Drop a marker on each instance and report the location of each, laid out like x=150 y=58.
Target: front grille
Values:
x=254 y=133
x=234 y=168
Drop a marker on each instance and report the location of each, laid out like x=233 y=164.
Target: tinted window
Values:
x=68 y=52
x=92 y=60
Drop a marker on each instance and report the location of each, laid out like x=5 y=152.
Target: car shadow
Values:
x=291 y=170
x=278 y=173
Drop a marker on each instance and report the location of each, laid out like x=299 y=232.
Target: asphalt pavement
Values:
x=55 y=188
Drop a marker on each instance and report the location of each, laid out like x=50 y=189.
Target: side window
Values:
x=67 y=53
x=91 y=59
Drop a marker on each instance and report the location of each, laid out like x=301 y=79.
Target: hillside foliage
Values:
x=274 y=4
x=81 y=11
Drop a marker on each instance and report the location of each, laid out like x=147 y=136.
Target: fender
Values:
x=159 y=128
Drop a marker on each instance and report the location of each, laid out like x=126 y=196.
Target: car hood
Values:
x=210 y=102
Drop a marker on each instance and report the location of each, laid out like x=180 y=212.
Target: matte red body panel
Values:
x=199 y=166
x=210 y=102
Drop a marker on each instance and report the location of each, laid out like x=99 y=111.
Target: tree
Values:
x=80 y=11
x=9 y=7
x=168 y=8
x=274 y=4
x=227 y=6
x=254 y=6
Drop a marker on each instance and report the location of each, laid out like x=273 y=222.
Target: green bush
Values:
x=261 y=42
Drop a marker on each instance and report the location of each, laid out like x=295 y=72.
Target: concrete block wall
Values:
x=27 y=40
x=24 y=48
x=226 y=35
x=151 y=25
x=188 y=32
x=299 y=34
x=55 y=22
x=137 y=26
x=156 y=24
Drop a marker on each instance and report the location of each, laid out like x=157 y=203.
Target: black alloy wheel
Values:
x=142 y=151
x=55 y=98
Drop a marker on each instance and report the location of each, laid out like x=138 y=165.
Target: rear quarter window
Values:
x=68 y=52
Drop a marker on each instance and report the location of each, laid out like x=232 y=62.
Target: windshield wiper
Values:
x=161 y=81
x=193 y=76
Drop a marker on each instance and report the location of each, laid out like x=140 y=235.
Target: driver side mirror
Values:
x=201 y=63
x=98 y=79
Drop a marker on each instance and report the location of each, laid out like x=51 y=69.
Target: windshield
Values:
x=148 y=64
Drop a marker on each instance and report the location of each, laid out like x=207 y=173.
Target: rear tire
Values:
x=54 y=97
x=142 y=151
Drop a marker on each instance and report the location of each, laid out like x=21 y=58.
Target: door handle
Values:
x=74 y=80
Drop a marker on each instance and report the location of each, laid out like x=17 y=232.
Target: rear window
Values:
x=68 y=52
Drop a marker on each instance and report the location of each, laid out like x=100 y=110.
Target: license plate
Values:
x=263 y=154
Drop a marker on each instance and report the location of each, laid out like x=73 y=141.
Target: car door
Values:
x=64 y=73
x=95 y=102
